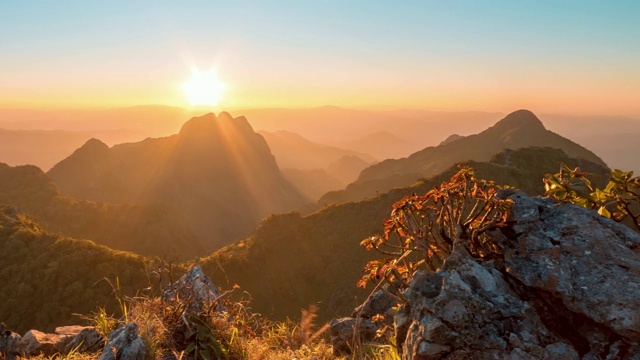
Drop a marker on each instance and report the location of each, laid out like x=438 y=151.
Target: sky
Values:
x=573 y=57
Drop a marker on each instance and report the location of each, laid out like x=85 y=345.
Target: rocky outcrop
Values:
x=566 y=288
x=196 y=290
x=124 y=344
x=583 y=259
x=470 y=311
x=81 y=339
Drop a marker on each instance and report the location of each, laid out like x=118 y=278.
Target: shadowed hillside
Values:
x=517 y=130
x=49 y=278
x=216 y=171
x=301 y=260
x=145 y=229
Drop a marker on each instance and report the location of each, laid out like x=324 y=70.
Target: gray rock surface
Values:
x=342 y=333
x=87 y=339
x=379 y=303
x=585 y=261
x=359 y=327
x=196 y=290
x=9 y=343
x=568 y=287
x=467 y=310
x=124 y=344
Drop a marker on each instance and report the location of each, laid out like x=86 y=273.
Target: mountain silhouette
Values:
x=216 y=171
x=517 y=130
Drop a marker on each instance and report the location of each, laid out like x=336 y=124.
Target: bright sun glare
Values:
x=203 y=88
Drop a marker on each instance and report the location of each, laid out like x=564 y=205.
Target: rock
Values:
x=196 y=290
x=124 y=344
x=9 y=343
x=342 y=330
x=36 y=342
x=567 y=288
x=467 y=310
x=379 y=302
x=342 y=333
x=86 y=340
x=62 y=341
x=585 y=265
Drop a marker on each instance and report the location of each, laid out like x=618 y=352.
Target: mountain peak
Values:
x=199 y=124
x=95 y=144
x=451 y=138
x=519 y=119
x=210 y=123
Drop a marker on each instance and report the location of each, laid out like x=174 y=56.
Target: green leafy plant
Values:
x=203 y=344
x=423 y=229
x=619 y=200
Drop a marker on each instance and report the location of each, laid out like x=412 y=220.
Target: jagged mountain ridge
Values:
x=517 y=130
x=216 y=171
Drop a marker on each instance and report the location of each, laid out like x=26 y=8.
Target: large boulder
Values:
x=567 y=288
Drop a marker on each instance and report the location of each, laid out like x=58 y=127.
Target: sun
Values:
x=204 y=88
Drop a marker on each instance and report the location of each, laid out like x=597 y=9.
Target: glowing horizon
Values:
x=576 y=57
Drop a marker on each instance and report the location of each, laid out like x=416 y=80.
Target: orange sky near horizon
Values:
x=574 y=58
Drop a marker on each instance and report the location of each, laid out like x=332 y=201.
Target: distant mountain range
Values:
x=517 y=130
x=216 y=171
x=381 y=144
x=314 y=168
x=294 y=151
x=382 y=134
